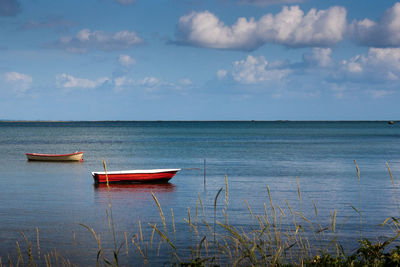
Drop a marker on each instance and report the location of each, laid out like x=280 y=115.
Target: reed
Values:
x=27 y=256
x=268 y=242
x=359 y=197
x=394 y=187
x=278 y=236
x=37 y=242
x=102 y=255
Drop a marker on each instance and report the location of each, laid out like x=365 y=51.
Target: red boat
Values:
x=77 y=156
x=135 y=176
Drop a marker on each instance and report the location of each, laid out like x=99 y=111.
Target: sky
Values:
x=199 y=60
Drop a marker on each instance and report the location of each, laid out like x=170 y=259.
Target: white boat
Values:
x=77 y=156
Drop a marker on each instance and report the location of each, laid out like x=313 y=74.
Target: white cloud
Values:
x=354 y=65
x=255 y=70
x=384 y=33
x=123 y=82
x=205 y=29
x=221 y=74
x=84 y=35
x=268 y=2
x=68 y=81
x=125 y=2
x=184 y=82
x=49 y=22
x=87 y=39
x=120 y=81
x=150 y=82
x=320 y=57
x=379 y=93
x=380 y=64
x=126 y=61
x=376 y=74
x=18 y=82
x=290 y=27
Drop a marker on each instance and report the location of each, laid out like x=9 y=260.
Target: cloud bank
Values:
x=151 y=84
x=18 y=82
x=290 y=27
x=125 y=2
x=384 y=33
x=126 y=61
x=87 y=39
x=379 y=68
x=49 y=22
x=68 y=81
x=255 y=70
x=379 y=65
x=268 y=2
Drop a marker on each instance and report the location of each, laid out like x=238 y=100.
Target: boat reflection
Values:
x=135 y=188
x=126 y=193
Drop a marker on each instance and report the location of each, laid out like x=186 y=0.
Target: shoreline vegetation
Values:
x=280 y=236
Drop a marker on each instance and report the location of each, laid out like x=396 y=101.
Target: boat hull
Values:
x=78 y=156
x=135 y=176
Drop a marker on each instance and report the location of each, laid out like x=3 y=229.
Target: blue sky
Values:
x=199 y=60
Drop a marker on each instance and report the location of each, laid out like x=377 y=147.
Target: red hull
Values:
x=156 y=177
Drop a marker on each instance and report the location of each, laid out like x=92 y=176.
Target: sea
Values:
x=310 y=166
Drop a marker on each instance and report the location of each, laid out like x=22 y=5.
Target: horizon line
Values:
x=329 y=120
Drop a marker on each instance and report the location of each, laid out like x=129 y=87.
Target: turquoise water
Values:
x=57 y=197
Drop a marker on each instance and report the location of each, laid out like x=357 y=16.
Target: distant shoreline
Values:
x=93 y=121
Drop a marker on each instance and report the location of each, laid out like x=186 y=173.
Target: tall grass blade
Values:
x=126 y=243
x=248 y=207
x=385 y=221
x=215 y=219
x=358 y=170
x=390 y=174
x=20 y=258
x=315 y=209
x=196 y=212
x=270 y=200
x=199 y=247
x=109 y=206
x=355 y=209
x=162 y=235
x=96 y=237
x=31 y=261
x=140 y=232
x=298 y=189
x=394 y=187
x=139 y=249
x=334 y=222
x=201 y=205
x=173 y=223
x=37 y=242
x=359 y=196
x=226 y=191
x=152 y=236
x=204 y=173
x=160 y=212
x=48 y=260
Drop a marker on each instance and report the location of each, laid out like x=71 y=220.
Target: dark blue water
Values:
x=57 y=197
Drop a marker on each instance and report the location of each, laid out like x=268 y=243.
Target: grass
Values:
x=278 y=236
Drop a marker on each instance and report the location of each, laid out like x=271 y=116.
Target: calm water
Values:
x=56 y=197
